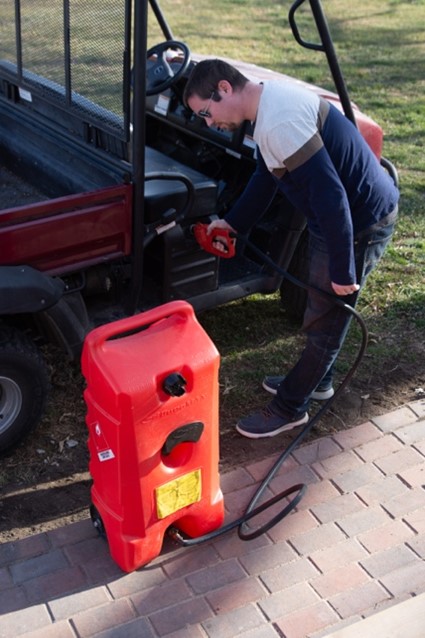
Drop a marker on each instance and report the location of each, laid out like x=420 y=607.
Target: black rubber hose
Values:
x=253 y=509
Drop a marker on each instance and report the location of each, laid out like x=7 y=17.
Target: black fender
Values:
x=67 y=323
x=26 y=290
x=59 y=315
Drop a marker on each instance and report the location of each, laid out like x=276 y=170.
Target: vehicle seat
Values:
x=161 y=195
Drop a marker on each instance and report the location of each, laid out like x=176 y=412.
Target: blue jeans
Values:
x=325 y=324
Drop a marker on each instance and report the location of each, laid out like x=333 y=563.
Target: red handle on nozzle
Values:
x=223 y=236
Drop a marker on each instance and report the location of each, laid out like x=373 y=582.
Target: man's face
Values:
x=223 y=114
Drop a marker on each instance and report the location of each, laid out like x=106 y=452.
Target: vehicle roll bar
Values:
x=326 y=47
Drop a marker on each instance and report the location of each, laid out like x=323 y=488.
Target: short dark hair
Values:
x=206 y=75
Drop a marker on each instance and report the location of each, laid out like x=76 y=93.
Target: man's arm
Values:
x=328 y=208
x=254 y=201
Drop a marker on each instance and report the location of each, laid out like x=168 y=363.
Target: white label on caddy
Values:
x=105 y=455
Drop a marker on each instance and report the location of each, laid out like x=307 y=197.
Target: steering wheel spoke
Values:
x=163 y=70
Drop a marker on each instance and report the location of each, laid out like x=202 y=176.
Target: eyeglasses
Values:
x=206 y=112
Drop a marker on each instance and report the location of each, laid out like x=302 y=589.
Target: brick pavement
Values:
x=354 y=546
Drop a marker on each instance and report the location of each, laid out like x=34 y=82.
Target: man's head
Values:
x=213 y=92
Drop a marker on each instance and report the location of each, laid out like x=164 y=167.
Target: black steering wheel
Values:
x=162 y=71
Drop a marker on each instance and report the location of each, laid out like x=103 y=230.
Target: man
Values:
x=319 y=160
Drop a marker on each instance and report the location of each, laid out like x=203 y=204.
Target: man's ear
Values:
x=224 y=86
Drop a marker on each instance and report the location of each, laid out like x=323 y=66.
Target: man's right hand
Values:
x=220 y=224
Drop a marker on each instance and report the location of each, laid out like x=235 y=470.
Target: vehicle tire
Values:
x=24 y=386
x=293 y=297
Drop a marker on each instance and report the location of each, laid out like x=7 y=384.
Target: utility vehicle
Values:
x=109 y=172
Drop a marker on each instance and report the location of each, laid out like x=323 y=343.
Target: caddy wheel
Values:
x=97 y=521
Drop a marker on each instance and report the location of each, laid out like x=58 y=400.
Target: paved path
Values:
x=354 y=546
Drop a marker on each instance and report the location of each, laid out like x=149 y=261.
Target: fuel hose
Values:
x=296 y=492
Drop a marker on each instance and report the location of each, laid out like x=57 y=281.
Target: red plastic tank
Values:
x=152 y=416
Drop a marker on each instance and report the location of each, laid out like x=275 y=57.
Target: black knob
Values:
x=174 y=384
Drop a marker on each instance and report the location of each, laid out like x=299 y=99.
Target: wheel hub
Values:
x=10 y=402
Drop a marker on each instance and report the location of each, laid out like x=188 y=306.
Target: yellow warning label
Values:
x=181 y=492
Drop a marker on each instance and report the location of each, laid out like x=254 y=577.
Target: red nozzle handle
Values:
x=223 y=236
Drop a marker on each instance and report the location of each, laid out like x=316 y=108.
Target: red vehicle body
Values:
x=107 y=233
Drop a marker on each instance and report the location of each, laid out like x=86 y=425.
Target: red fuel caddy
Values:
x=152 y=416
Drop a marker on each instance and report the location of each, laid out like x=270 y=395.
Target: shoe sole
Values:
x=263 y=435
x=317 y=396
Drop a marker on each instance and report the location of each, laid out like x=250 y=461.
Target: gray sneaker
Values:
x=321 y=393
x=266 y=423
